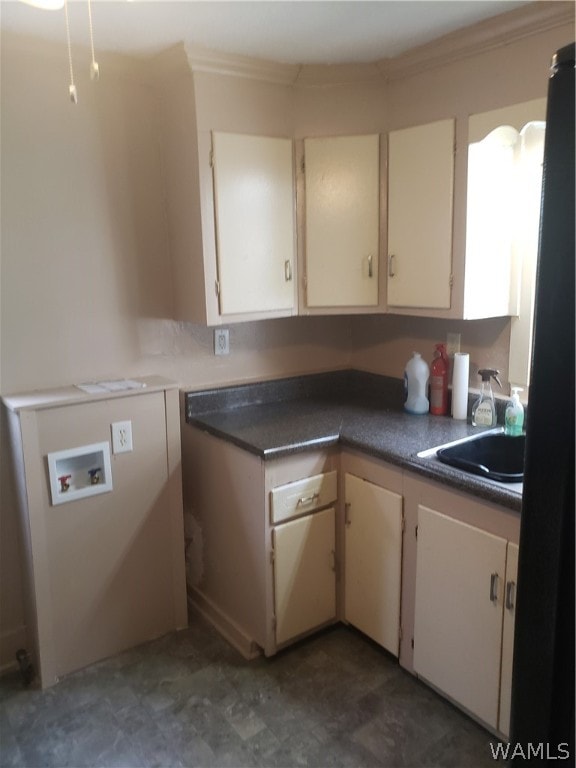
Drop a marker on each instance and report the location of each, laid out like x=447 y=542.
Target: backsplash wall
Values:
x=258 y=350
x=384 y=344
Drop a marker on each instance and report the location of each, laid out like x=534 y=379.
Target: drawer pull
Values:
x=303 y=496
x=510 y=594
x=391 y=265
x=493 y=587
x=287 y=270
x=370 y=270
x=305 y=500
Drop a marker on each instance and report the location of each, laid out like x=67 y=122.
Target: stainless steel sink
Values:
x=492 y=455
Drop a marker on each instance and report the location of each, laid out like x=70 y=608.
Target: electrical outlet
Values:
x=221 y=341
x=122 y=437
x=452 y=344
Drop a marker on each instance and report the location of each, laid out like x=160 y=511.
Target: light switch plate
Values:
x=122 y=437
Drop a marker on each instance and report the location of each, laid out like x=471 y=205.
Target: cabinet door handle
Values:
x=333 y=560
x=493 y=587
x=347 y=520
x=391 y=265
x=370 y=270
x=287 y=270
x=510 y=594
x=305 y=500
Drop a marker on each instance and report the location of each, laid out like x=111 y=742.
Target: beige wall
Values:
x=87 y=285
x=83 y=245
x=84 y=249
x=384 y=344
x=86 y=276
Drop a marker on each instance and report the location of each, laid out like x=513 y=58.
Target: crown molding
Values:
x=182 y=58
x=320 y=75
x=506 y=28
x=534 y=18
x=202 y=59
x=478 y=38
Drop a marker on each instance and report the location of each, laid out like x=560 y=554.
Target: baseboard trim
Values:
x=10 y=641
x=238 y=639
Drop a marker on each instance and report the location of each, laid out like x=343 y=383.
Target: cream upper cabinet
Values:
x=342 y=212
x=373 y=558
x=254 y=220
x=227 y=154
x=460 y=592
x=420 y=202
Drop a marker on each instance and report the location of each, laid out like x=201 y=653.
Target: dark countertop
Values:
x=350 y=408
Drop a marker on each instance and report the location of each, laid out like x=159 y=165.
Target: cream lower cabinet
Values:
x=304 y=574
x=373 y=558
x=261 y=541
x=508 y=638
x=459 y=610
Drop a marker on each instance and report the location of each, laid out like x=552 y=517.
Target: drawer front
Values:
x=302 y=496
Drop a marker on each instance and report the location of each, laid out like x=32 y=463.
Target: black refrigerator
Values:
x=543 y=673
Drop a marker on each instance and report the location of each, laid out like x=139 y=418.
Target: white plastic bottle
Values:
x=416 y=375
x=514 y=416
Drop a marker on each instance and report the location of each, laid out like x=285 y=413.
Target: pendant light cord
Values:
x=71 y=88
x=94 y=69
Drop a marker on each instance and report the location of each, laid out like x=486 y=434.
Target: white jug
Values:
x=416 y=375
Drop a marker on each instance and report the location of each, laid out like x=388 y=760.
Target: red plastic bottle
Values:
x=439 y=381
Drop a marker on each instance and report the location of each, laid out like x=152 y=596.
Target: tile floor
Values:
x=189 y=699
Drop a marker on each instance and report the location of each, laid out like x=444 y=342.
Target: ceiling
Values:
x=292 y=32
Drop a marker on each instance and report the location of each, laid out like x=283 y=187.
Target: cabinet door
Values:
x=373 y=531
x=508 y=638
x=458 y=613
x=420 y=194
x=342 y=221
x=255 y=229
x=304 y=574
